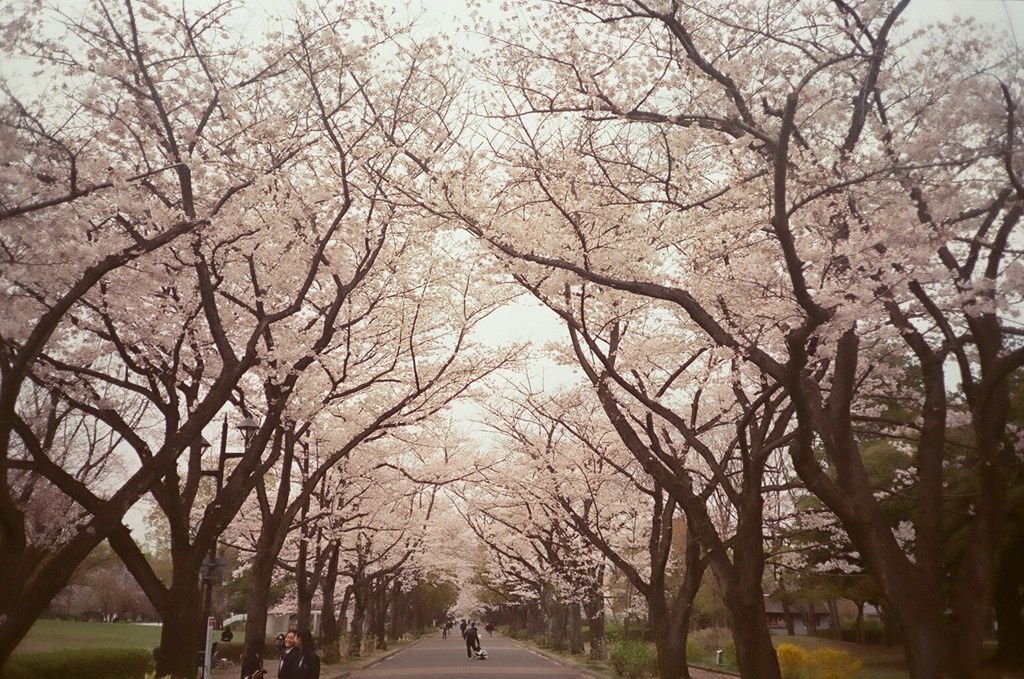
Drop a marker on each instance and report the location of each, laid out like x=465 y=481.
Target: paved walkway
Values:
x=437 y=658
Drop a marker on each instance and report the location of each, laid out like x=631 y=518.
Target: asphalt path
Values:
x=437 y=658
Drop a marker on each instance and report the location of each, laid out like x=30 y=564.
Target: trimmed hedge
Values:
x=91 y=663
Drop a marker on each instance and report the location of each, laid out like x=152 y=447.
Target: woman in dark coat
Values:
x=252 y=666
x=309 y=661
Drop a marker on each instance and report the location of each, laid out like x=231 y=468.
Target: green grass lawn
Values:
x=57 y=635
x=61 y=635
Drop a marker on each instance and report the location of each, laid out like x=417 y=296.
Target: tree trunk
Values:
x=345 y=599
x=355 y=638
x=594 y=608
x=891 y=633
x=926 y=647
x=810 y=614
x=668 y=630
x=182 y=635
x=755 y=653
x=303 y=590
x=858 y=624
x=833 y=614
x=557 y=625
x=379 y=617
x=398 y=612
x=576 y=629
x=24 y=599
x=787 y=616
x=330 y=630
x=1008 y=602
x=262 y=573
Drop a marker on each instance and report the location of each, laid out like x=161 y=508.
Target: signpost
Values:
x=207 y=655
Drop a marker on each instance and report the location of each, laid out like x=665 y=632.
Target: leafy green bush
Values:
x=92 y=663
x=634 y=660
x=694 y=652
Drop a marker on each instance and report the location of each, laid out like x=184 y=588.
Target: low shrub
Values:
x=694 y=653
x=873 y=632
x=232 y=650
x=831 y=663
x=729 y=653
x=634 y=660
x=91 y=663
x=796 y=662
x=541 y=640
x=710 y=640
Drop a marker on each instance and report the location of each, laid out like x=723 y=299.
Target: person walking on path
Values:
x=489 y=628
x=472 y=641
x=288 y=667
x=462 y=626
x=309 y=661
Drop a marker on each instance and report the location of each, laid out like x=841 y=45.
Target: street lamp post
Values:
x=212 y=569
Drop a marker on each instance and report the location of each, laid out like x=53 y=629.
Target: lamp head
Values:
x=248 y=426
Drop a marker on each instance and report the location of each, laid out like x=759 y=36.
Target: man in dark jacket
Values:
x=472 y=641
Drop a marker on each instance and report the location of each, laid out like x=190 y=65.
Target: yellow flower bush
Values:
x=796 y=662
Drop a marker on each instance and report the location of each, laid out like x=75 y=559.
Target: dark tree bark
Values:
x=1008 y=602
x=360 y=594
x=837 y=624
x=576 y=629
x=737 y=561
x=787 y=616
x=330 y=629
x=593 y=607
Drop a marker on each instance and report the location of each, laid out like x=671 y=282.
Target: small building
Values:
x=280 y=621
x=807 y=615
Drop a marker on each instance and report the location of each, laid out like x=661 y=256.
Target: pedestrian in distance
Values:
x=472 y=641
x=288 y=665
x=227 y=635
x=489 y=627
x=252 y=666
x=462 y=626
x=279 y=644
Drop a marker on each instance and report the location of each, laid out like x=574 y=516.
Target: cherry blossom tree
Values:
x=535 y=561
x=61 y=238
x=609 y=501
x=168 y=122
x=788 y=178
